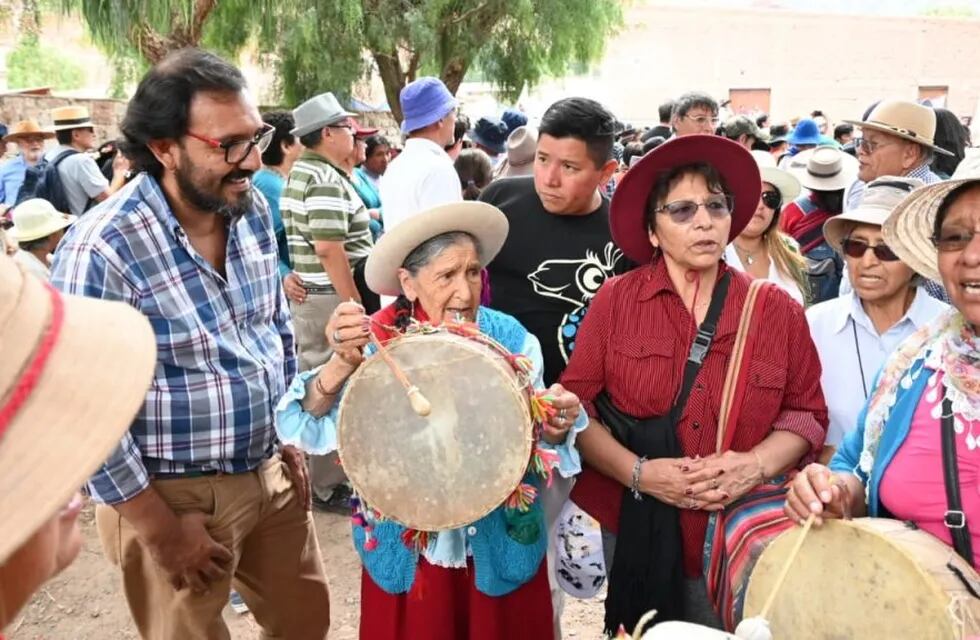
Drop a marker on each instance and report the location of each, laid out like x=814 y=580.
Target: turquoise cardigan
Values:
x=896 y=430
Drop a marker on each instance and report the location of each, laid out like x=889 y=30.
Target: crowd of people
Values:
x=731 y=318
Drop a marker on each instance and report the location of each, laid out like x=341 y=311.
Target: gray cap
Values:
x=317 y=113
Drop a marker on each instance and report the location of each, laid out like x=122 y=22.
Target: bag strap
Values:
x=954 y=518
x=735 y=363
x=701 y=344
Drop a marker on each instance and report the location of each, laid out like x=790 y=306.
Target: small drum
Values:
x=453 y=466
x=866 y=578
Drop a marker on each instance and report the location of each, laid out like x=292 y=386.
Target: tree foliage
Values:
x=320 y=45
x=31 y=65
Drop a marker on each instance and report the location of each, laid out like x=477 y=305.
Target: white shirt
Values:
x=833 y=326
x=421 y=177
x=775 y=275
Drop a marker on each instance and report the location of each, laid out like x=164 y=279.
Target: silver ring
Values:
x=336 y=336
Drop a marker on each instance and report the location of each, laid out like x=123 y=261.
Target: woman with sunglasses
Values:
x=762 y=250
x=856 y=332
x=914 y=454
x=651 y=356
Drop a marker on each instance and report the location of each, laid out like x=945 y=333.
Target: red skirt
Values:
x=444 y=604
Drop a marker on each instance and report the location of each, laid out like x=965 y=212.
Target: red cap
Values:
x=361 y=132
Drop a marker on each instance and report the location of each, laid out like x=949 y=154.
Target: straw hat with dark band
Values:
x=880 y=198
x=484 y=222
x=906 y=120
x=27 y=129
x=71 y=117
x=910 y=227
x=73 y=374
x=627 y=212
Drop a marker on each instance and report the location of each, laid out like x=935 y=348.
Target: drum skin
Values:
x=865 y=578
x=449 y=468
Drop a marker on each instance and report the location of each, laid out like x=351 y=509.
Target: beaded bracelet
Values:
x=635 y=483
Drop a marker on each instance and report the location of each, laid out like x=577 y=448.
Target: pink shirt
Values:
x=912 y=487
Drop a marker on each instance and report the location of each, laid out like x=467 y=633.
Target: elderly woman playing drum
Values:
x=483 y=578
x=649 y=365
x=914 y=453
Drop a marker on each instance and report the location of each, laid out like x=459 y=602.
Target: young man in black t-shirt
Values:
x=559 y=250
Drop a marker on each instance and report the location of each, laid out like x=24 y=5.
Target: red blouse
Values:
x=634 y=342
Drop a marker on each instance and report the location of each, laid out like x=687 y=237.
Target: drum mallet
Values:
x=420 y=404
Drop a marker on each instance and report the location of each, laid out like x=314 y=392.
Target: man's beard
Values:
x=212 y=202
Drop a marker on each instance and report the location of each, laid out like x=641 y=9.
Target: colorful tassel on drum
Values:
x=523 y=497
x=542 y=408
x=416 y=540
x=543 y=463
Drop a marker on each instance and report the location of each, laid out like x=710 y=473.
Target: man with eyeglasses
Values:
x=694 y=112
x=200 y=495
x=897 y=139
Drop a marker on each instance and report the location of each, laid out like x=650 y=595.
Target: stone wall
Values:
x=106 y=114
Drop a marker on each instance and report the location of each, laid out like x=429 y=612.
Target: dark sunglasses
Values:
x=682 y=211
x=857 y=249
x=772 y=199
x=952 y=240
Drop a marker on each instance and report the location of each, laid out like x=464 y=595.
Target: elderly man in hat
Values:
x=329 y=235
x=83 y=181
x=38 y=228
x=422 y=176
x=897 y=139
x=200 y=496
x=29 y=137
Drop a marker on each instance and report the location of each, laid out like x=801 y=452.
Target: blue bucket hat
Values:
x=491 y=133
x=806 y=132
x=425 y=101
x=513 y=119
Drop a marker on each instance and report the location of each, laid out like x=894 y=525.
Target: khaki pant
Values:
x=277 y=566
x=310 y=321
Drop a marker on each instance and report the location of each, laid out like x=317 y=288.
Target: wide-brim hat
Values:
x=879 y=199
x=318 y=112
x=784 y=181
x=483 y=221
x=37 y=218
x=909 y=229
x=806 y=131
x=25 y=129
x=903 y=119
x=521 y=147
x=824 y=169
x=490 y=133
x=68 y=393
x=71 y=117
x=425 y=101
x=627 y=211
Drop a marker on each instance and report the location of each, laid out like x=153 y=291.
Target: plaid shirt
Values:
x=224 y=344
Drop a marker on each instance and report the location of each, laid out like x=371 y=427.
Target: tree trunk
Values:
x=393 y=78
x=453 y=73
x=155 y=47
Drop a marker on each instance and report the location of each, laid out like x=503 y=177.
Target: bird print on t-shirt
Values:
x=574 y=281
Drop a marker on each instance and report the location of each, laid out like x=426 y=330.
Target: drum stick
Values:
x=420 y=404
x=789 y=563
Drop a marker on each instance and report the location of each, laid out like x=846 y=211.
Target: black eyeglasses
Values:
x=682 y=211
x=237 y=151
x=952 y=240
x=772 y=199
x=857 y=249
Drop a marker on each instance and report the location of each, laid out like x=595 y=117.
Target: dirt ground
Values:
x=86 y=603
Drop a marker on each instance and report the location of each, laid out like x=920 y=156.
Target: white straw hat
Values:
x=784 y=181
x=879 y=199
x=73 y=374
x=483 y=221
x=824 y=169
x=910 y=227
x=37 y=218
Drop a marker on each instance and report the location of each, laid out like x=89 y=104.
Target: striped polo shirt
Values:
x=319 y=203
